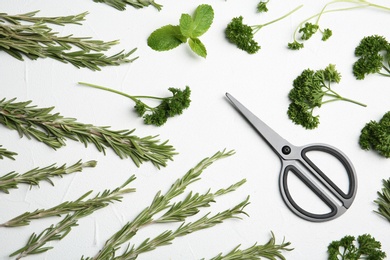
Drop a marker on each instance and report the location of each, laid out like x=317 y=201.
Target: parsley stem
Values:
x=256 y=28
x=109 y=89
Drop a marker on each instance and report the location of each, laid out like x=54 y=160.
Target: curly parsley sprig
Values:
x=54 y=129
x=158 y=115
x=374 y=57
x=311 y=90
x=376 y=136
x=349 y=248
x=307 y=28
x=30 y=36
x=242 y=35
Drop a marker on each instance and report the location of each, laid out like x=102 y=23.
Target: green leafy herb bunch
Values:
x=158 y=116
x=351 y=248
x=376 y=136
x=189 y=30
x=311 y=90
x=242 y=35
x=374 y=57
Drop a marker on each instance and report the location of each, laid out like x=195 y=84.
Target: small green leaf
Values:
x=186 y=25
x=166 y=38
x=198 y=47
x=203 y=18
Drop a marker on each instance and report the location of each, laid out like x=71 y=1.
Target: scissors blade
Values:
x=281 y=146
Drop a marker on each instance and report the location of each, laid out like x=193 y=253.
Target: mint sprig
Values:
x=189 y=30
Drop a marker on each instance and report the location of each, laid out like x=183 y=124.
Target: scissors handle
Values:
x=295 y=167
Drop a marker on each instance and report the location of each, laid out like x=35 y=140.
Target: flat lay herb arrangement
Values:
x=228 y=212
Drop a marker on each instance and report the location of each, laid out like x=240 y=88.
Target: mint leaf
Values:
x=186 y=25
x=166 y=38
x=198 y=47
x=203 y=18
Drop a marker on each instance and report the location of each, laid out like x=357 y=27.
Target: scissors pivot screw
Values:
x=286 y=150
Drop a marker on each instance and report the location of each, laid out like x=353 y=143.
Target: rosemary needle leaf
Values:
x=121 y=4
x=37 y=40
x=5 y=153
x=74 y=210
x=33 y=177
x=101 y=200
x=54 y=130
x=270 y=250
x=383 y=200
x=161 y=202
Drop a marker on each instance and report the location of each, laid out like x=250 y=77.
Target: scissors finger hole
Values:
x=303 y=197
x=331 y=167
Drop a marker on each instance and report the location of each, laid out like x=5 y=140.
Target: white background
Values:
x=260 y=81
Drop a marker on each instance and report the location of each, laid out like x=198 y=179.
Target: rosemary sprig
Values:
x=383 y=200
x=162 y=202
x=33 y=177
x=101 y=200
x=54 y=130
x=5 y=153
x=168 y=236
x=36 y=243
x=37 y=40
x=270 y=250
x=121 y=4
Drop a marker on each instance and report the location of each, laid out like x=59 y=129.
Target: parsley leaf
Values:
x=366 y=247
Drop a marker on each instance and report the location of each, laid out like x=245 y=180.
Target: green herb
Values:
x=174 y=212
x=36 y=39
x=349 y=248
x=262 y=6
x=307 y=28
x=242 y=35
x=101 y=200
x=121 y=4
x=77 y=209
x=308 y=92
x=168 y=107
x=5 y=153
x=374 y=57
x=269 y=250
x=33 y=177
x=376 y=136
x=54 y=130
x=383 y=200
x=190 y=29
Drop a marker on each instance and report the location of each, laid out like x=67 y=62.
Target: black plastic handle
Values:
x=294 y=166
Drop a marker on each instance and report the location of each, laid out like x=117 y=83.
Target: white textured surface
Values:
x=260 y=81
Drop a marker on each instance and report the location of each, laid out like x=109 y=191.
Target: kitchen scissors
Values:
x=294 y=159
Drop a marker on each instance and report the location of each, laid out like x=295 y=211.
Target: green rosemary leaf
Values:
x=383 y=200
x=121 y=4
x=101 y=200
x=74 y=210
x=36 y=40
x=33 y=177
x=5 y=153
x=270 y=250
x=54 y=129
x=162 y=202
